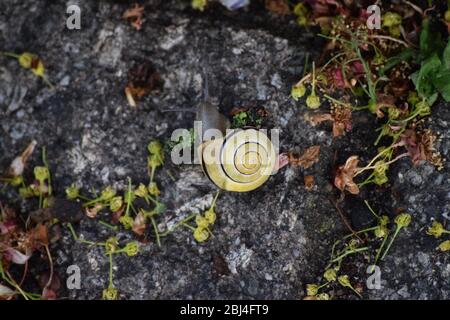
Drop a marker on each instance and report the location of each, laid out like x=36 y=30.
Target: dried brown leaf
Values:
x=345 y=174
x=317 y=118
x=307 y=159
x=93 y=211
x=18 y=164
x=139 y=224
x=134 y=15
x=279 y=7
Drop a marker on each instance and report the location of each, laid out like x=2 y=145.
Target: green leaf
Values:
x=430 y=40
x=446 y=56
x=426 y=75
x=405 y=55
x=442 y=83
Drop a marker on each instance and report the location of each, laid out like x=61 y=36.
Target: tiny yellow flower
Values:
x=116 y=204
x=298 y=91
x=344 y=281
x=381 y=232
x=108 y=193
x=200 y=234
x=72 y=192
x=330 y=275
x=201 y=222
x=141 y=191
x=111 y=245
x=210 y=216
x=41 y=174
x=110 y=294
x=403 y=220
x=126 y=221
x=323 y=296
x=199 y=4
x=312 y=289
x=131 y=248
x=313 y=101
x=153 y=189
x=445 y=246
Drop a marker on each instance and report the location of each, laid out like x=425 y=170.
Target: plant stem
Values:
x=177 y=225
x=110 y=226
x=397 y=230
x=110 y=271
x=155 y=227
x=349 y=252
x=371 y=210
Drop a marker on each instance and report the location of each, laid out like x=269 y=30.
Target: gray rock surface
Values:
x=273 y=240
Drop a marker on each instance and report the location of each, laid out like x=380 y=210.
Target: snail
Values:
x=240 y=160
x=237 y=160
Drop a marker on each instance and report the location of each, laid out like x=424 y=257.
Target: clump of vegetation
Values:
x=18 y=240
x=395 y=74
x=372 y=243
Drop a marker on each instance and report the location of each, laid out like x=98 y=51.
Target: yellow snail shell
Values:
x=241 y=162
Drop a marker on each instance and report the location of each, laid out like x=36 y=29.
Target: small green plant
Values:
x=352 y=245
x=32 y=62
x=437 y=230
x=111 y=248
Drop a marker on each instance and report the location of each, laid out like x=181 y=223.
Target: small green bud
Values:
x=391 y=19
x=381 y=232
x=424 y=108
x=312 y=289
x=153 y=189
x=116 y=204
x=111 y=245
x=345 y=281
x=313 y=101
x=323 y=296
x=199 y=4
x=445 y=246
x=200 y=234
x=110 y=294
x=26 y=192
x=155 y=147
x=131 y=248
x=201 y=222
x=41 y=174
x=393 y=113
x=413 y=98
x=436 y=229
x=300 y=9
x=447 y=16
x=384 y=220
x=16 y=181
x=72 y=192
x=380 y=178
x=403 y=220
x=210 y=216
x=108 y=193
x=126 y=221
x=330 y=275
x=141 y=191
x=298 y=91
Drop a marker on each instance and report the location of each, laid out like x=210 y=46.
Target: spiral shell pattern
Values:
x=242 y=161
